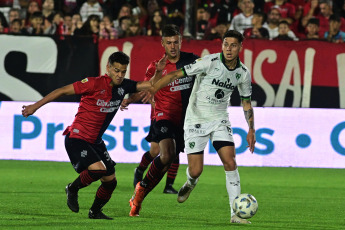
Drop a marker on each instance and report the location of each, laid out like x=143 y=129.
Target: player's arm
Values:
x=31 y=109
x=170 y=77
x=249 y=116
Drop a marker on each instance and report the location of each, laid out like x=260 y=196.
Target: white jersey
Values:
x=240 y=22
x=213 y=87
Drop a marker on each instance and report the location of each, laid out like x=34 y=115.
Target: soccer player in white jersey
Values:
x=207 y=117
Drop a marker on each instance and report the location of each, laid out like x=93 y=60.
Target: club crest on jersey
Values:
x=192 y=145
x=238 y=76
x=120 y=91
x=84 y=80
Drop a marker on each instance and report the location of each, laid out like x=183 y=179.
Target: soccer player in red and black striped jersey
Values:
x=101 y=98
x=170 y=107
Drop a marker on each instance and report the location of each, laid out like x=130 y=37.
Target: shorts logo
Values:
x=197 y=126
x=164 y=129
x=84 y=80
x=83 y=153
x=224 y=121
x=106 y=154
x=192 y=145
x=229 y=130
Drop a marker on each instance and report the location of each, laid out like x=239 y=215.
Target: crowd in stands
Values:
x=113 y=19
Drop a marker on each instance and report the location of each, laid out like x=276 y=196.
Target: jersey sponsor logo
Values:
x=84 y=80
x=83 y=153
x=120 y=91
x=109 y=110
x=180 y=87
x=219 y=94
x=180 y=81
x=226 y=84
x=103 y=103
x=215 y=101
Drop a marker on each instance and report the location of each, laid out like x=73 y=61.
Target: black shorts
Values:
x=82 y=154
x=152 y=137
x=166 y=129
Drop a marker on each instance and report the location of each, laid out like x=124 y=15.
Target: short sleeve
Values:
x=84 y=86
x=197 y=67
x=150 y=72
x=245 y=87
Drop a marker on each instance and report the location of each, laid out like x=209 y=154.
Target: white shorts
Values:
x=196 y=136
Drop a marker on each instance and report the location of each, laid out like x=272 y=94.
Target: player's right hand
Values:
x=28 y=110
x=160 y=65
x=124 y=105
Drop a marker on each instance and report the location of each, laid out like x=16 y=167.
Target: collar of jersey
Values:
x=238 y=65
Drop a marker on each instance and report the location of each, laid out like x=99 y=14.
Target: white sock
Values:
x=191 y=180
x=233 y=186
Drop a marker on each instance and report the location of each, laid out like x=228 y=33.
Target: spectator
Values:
x=174 y=9
x=312 y=29
x=134 y=28
x=49 y=27
x=70 y=6
x=48 y=8
x=33 y=6
x=124 y=25
x=91 y=7
x=90 y=27
x=243 y=20
x=67 y=24
x=125 y=11
x=283 y=30
x=3 y=21
x=77 y=22
x=203 y=22
x=157 y=21
x=217 y=32
x=287 y=10
x=311 y=9
x=107 y=30
x=36 y=24
x=257 y=30
x=334 y=34
x=16 y=26
x=13 y=14
x=272 y=24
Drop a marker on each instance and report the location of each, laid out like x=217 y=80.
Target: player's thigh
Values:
x=81 y=153
x=167 y=150
x=103 y=154
x=154 y=149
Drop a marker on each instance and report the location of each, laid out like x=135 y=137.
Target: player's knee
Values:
x=110 y=185
x=195 y=172
x=230 y=165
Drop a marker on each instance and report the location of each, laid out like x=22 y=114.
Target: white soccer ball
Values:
x=245 y=206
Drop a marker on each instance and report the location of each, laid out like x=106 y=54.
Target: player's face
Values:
x=231 y=48
x=116 y=72
x=172 y=46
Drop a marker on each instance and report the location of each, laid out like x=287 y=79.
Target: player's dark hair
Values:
x=234 y=34
x=119 y=57
x=170 y=30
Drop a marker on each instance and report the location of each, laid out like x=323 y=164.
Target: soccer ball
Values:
x=245 y=206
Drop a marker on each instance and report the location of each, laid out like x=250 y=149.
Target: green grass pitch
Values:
x=32 y=197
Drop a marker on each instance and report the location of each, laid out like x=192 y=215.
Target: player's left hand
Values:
x=160 y=65
x=124 y=105
x=251 y=140
x=147 y=96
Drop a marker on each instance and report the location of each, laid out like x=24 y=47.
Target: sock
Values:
x=172 y=172
x=85 y=178
x=145 y=161
x=154 y=174
x=191 y=180
x=103 y=195
x=233 y=186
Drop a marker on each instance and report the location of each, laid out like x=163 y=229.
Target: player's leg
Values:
x=165 y=130
x=146 y=159
x=108 y=184
x=87 y=163
x=196 y=137
x=171 y=176
x=193 y=172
